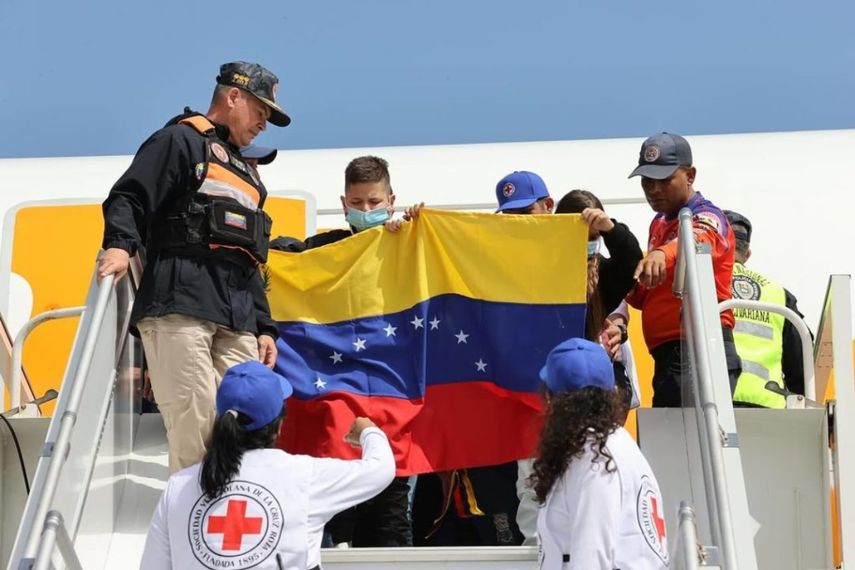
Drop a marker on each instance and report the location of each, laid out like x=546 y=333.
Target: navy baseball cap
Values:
x=577 y=363
x=255 y=391
x=661 y=155
x=520 y=189
x=740 y=224
x=257 y=80
x=263 y=154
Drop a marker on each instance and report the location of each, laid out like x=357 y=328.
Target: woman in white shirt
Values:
x=601 y=508
x=248 y=505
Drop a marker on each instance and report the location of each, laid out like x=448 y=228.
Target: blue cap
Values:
x=661 y=155
x=520 y=189
x=263 y=154
x=575 y=364
x=254 y=390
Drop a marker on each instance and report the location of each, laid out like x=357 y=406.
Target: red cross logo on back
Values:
x=234 y=525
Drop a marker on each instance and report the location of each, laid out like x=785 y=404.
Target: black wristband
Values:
x=624 y=334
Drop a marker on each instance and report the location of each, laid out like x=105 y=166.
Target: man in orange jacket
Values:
x=667 y=178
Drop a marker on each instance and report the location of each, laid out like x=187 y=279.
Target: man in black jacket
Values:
x=190 y=198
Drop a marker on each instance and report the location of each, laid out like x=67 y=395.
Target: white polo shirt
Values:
x=596 y=520
x=272 y=514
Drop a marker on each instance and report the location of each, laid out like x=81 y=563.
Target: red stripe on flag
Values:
x=455 y=426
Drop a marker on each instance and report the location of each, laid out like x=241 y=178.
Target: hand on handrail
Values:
x=114 y=261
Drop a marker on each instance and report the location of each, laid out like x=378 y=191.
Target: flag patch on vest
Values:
x=235 y=220
x=239 y=529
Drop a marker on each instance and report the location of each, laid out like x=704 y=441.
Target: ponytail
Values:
x=229 y=441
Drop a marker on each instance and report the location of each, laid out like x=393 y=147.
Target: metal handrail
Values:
x=688 y=536
x=55 y=534
x=687 y=269
x=18 y=348
x=32 y=551
x=801 y=327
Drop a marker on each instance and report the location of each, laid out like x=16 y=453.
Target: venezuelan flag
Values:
x=436 y=332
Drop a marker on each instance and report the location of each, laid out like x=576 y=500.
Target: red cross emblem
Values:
x=658 y=520
x=234 y=525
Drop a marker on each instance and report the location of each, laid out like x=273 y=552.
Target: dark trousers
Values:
x=381 y=521
x=671 y=366
x=496 y=495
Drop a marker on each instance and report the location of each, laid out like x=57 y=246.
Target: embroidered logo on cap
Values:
x=650 y=519
x=240 y=79
x=651 y=153
x=220 y=152
x=508 y=190
x=240 y=529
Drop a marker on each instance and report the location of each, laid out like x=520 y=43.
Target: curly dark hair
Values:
x=572 y=420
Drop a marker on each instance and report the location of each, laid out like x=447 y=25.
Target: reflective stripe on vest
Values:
x=221 y=173
x=758 y=336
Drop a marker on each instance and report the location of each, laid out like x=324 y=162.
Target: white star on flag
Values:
x=320 y=384
x=390 y=330
x=434 y=324
x=359 y=344
x=335 y=357
x=461 y=337
x=417 y=323
x=481 y=365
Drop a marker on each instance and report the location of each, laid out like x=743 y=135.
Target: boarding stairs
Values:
x=743 y=489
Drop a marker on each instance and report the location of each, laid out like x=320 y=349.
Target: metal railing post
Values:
x=18 y=349
x=801 y=327
x=705 y=394
x=55 y=534
x=62 y=444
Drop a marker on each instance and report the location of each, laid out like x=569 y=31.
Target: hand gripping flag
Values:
x=436 y=333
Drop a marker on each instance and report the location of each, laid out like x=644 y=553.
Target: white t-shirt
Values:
x=276 y=507
x=596 y=520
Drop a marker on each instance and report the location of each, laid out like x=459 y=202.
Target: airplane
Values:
x=789 y=184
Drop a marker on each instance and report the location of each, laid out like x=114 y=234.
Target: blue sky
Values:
x=96 y=77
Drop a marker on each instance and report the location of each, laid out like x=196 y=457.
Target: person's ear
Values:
x=344 y=205
x=391 y=200
x=747 y=254
x=549 y=203
x=690 y=174
x=232 y=97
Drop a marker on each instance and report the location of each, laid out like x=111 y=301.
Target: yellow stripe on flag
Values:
x=492 y=257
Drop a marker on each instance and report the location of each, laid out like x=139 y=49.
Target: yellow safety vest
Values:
x=759 y=339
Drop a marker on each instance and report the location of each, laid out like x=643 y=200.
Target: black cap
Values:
x=257 y=80
x=740 y=224
x=263 y=154
x=661 y=155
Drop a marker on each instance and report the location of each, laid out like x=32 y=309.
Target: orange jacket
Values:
x=660 y=308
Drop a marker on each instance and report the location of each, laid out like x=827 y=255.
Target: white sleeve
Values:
x=622 y=310
x=157 y=554
x=592 y=499
x=338 y=484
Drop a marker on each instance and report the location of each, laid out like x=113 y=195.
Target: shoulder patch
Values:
x=744 y=287
x=709 y=219
x=651 y=519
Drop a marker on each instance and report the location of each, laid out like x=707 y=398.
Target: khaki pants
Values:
x=186 y=358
